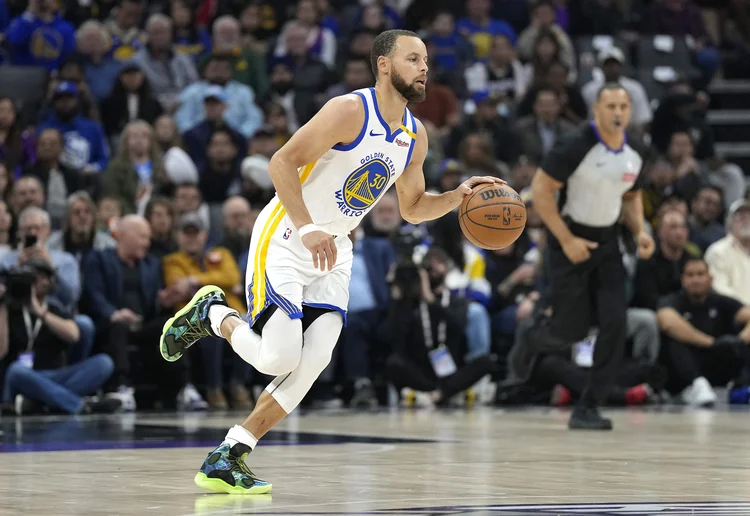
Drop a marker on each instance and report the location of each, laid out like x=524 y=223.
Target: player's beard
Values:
x=408 y=91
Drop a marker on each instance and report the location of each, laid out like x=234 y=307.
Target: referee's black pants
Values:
x=591 y=293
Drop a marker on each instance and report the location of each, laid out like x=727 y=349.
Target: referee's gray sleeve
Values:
x=565 y=156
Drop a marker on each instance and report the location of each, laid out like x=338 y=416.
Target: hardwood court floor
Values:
x=484 y=461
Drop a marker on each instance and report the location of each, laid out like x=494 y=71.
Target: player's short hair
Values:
x=610 y=86
x=384 y=44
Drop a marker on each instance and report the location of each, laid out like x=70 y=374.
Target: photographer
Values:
x=426 y=326
x=34 y=339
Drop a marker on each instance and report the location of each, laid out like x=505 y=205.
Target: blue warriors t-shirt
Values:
x=481 y=37
x=448 y=50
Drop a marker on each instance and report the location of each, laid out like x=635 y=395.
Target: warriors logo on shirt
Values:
x=364 y=186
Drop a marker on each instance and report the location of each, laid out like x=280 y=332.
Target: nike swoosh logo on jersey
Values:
x=373 y=134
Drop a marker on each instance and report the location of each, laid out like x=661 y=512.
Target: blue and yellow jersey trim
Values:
x=258 y=298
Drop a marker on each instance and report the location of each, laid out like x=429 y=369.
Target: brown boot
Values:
x=240 y=397
x=216 y=399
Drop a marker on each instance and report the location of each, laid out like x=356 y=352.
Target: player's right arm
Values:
x=339 y=121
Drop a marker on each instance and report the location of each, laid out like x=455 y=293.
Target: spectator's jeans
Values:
x=708 y=61
x=58 y=388
x=505 y=322
x=643 y=328
x=212 y=352
x=81 y=350
x=478 y=331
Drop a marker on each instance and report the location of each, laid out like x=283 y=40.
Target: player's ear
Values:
x=384 y=65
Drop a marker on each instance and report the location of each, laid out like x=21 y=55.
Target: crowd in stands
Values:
x=135 y=139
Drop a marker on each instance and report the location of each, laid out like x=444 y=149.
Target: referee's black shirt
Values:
x=595 y=177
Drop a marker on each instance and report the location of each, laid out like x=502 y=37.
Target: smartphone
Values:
x=29 y=241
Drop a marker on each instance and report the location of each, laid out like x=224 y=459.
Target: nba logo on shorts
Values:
x=506 y=216
x=287 y=233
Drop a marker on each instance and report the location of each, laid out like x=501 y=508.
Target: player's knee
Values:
x=320 y=339
x=276 y=364
x=281 y=349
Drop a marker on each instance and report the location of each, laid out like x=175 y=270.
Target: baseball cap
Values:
x=739 y=205
x=611 y=53
x=191 y=220
x=66 y=88
x=215 y=92
x=129 y=66
x=482 y=96
x=264 y=131
x=449 y=166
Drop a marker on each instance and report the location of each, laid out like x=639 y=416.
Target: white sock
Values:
x=217 y=314
x=238 y=434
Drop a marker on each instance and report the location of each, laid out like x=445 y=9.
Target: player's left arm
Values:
x=417 y=205
x=632 y=214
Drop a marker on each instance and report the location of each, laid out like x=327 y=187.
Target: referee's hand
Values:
x=578 y=249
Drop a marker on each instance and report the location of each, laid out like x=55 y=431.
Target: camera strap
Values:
x=32 y=331
x=424 y=313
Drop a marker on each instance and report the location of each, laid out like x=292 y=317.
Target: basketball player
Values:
x=327 y=177
x=595 y=176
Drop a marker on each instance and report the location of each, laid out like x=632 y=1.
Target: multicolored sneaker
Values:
x=225 y=471
x=190 y=324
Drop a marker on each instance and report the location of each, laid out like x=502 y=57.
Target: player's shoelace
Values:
x=193 y=333
x=239 y=465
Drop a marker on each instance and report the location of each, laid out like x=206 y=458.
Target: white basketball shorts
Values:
x=280 y=269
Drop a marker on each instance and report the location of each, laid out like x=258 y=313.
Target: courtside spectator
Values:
x=729 y=259
x=125 y=296
x=194 y=266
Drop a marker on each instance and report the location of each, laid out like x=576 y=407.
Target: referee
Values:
x=585 y=183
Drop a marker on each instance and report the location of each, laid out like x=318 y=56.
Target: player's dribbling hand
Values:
x=465 y=188
x=322 y=248
x=645 y=245
x=578 y=249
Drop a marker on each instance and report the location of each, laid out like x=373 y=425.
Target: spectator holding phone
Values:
x=33 y=232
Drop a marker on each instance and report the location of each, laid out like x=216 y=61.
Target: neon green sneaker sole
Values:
x=197 y=298
x=219 y=486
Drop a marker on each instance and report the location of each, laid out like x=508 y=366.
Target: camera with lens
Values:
x=19 y=281
x=406 y=278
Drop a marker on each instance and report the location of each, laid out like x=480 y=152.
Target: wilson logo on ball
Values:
x=486 y=195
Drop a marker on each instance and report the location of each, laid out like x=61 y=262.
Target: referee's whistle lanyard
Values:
x=32 y=330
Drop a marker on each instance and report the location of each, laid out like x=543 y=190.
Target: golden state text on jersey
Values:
x=347 y=181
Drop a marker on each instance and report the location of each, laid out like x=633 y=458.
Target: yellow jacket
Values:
x=218 y=268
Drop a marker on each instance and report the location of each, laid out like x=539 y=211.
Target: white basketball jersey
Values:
x=347 y=181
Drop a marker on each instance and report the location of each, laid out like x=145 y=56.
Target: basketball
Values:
x=492 y=216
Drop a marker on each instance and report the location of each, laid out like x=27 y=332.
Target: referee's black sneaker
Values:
x=587 y=417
